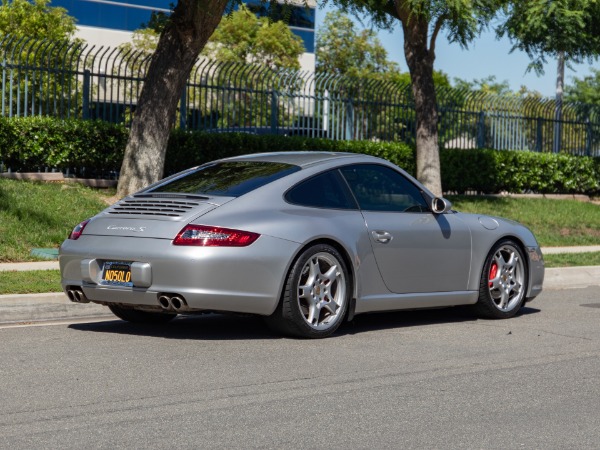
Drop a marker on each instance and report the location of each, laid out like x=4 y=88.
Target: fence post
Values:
x=349 y=121
x=183 y=109
x=274 y=111
x=539 y=135
x=481 y=130
x=588 y=141
x=85 y=104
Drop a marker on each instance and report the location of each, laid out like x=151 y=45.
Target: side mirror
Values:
x=440 y=205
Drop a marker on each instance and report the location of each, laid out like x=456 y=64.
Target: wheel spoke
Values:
x=506 y=282
x=331 y=306
x=313 y=313
x=504 y=298
x=321 y=291
x=332 y=274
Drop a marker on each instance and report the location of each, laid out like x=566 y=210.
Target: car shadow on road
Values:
x=236 y=327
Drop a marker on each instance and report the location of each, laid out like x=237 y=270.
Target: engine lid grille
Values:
x=166 y=207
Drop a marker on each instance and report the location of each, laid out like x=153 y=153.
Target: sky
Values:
x=486 y=56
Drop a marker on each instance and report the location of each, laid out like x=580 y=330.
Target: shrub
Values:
x=35 y=143
x=491 y=171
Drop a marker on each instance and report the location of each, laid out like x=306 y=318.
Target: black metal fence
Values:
x=77 y=80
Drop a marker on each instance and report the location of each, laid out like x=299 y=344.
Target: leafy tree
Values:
x=585 y=90
x=183 y=35
x=566 y=29
x=422 y=21
x=35 y=19
x=242 y=37
x=544 y=28
x=343 y=50
x=487 y=85
x=23 y=24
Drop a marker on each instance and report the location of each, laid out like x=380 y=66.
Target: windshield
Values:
x=230 y=179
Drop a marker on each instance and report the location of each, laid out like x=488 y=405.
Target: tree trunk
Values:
x=191 y=24
x=420 y=65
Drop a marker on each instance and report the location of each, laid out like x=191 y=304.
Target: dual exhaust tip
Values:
x=170 y=302
x=76 y=295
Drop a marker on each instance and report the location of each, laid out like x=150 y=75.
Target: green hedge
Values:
x=32 y=144
x=187 y=149
x=492 y=171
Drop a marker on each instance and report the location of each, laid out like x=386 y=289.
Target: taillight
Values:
x=206 y=236
x=78 y=230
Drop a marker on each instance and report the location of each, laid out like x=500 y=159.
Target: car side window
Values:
x=380 y=188
x=327 y=190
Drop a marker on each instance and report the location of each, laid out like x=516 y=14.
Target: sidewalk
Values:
x=54 y=306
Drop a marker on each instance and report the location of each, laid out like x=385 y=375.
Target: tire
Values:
x=504 y=280
x=316 y=296
x=137 y=316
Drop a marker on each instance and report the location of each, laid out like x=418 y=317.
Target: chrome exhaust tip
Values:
x=164 y=301
x=170 y=302
x=178 y=303
x=80 y=296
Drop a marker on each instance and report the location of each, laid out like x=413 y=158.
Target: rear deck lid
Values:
x=152 y=215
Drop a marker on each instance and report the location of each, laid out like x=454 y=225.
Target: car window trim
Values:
x=421 y=191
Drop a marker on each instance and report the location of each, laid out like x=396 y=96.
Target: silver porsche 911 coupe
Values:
x=305 y=239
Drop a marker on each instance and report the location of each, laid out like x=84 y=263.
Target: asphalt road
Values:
x=435 y=379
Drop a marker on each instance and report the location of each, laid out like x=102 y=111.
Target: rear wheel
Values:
x=503 y=282
x=316 y=296
x=137 y=316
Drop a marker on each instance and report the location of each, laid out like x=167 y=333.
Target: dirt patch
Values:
x=565 y=232
x=111 y=200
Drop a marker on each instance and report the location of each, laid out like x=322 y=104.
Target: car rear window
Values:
x=230 y=179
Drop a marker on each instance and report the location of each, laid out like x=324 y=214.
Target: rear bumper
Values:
x=245 y=280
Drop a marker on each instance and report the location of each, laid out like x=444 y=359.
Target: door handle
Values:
x=381 y=236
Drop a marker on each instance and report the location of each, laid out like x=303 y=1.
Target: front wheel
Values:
x=316 y=295
x=503 y=282
x=137 y=316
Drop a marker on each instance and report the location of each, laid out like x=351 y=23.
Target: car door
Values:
x=416 y=251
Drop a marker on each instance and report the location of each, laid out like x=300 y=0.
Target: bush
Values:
x=35 y=143
x=187 y=149
x=491 y=171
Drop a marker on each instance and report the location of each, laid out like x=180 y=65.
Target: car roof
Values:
x=302 y=159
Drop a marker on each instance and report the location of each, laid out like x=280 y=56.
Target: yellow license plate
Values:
x=117 y=274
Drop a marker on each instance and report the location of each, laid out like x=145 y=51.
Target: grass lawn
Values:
x=41 y=215
x=555 y=223
x=34 y=282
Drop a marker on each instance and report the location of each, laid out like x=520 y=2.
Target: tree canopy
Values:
x=543 y=28
x=585 y=90
x=241 y=37
x=35 y=19
x=422 y=21
x=343 y=50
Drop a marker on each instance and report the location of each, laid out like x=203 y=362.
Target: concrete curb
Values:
x=56 y=306
x=572 y=277
x=51 y=306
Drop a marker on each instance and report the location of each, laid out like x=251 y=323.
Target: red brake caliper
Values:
x=493 y=273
